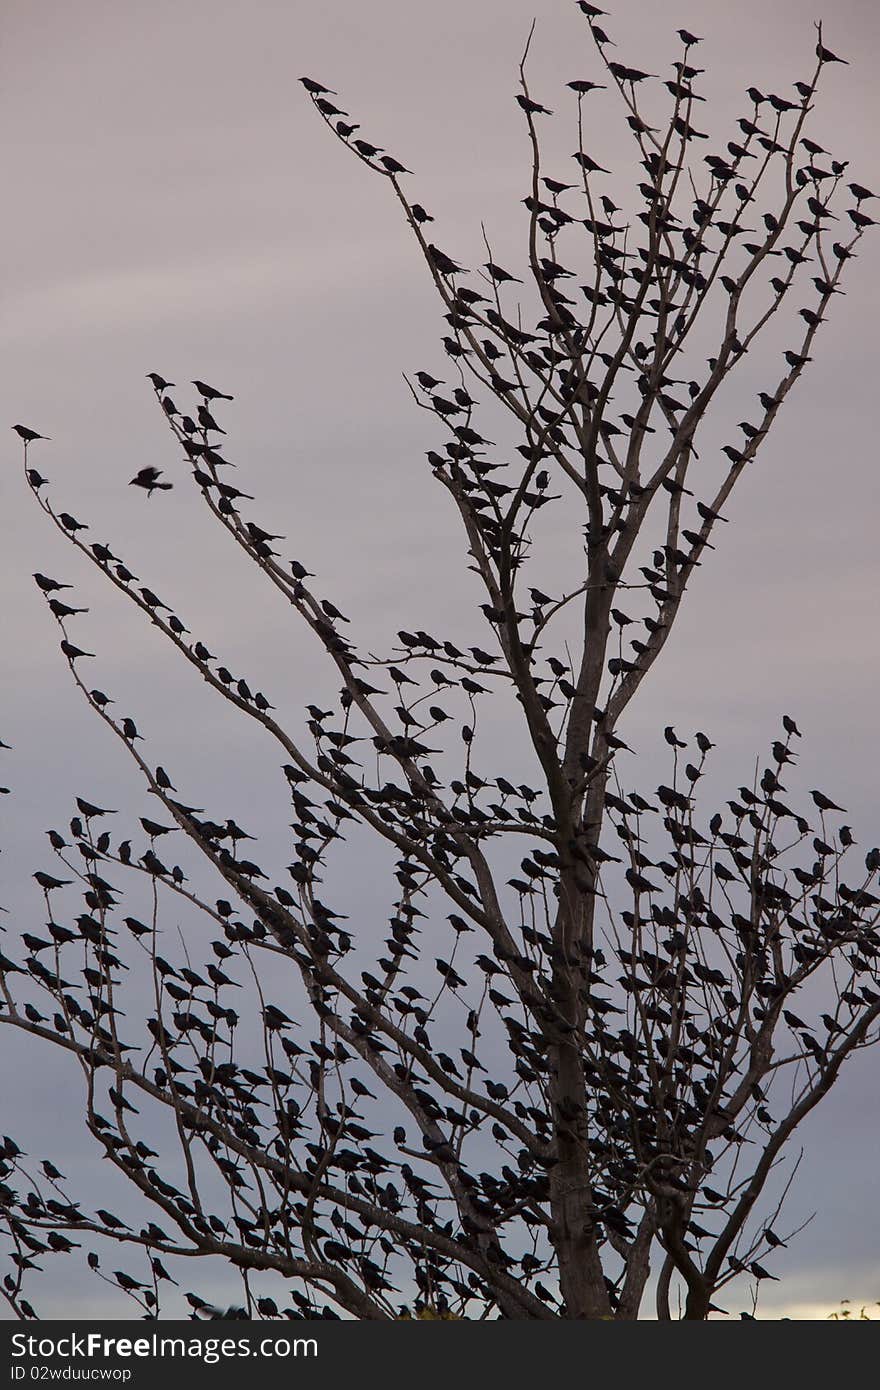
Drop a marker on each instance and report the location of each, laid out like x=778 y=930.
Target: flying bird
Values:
x=148 y=479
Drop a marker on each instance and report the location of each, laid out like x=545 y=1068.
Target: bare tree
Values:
x=597 y=1018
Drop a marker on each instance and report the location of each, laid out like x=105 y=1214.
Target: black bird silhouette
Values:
x=159 y=381
x=825 y=803
x=588 y=164
x=207 y=421
x=90 y=811
x=392 y=165
x=209 y=393
x=499 y=275
x=826 y=56
x=28 y=435
x=72 y=652
x=532 y=108
x=50 y=586
x=49 y=883
x=64 y=610
x=148 y=479
x=441 y=262
x=316 y=88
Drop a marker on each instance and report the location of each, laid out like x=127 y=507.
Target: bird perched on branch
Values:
x=826 y=56
x=28 y=435
x=316 y=88
x=49 y=586
x=589 y=165
x=209 y=393
x=532 y=108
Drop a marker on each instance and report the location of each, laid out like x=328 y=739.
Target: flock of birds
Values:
x=721 y=937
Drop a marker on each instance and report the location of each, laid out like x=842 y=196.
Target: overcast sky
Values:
x=174 y=204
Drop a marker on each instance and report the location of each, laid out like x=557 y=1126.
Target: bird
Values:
x=90 y=811
x=148 y=479
x=499 y=275
x=48 y=883
x=826 y=56
x=532 y=108
x=207 y=421
x=159 y=382
x=860 y=219
x=316 y=88
x=72 y=652
x=708 y=514
x=441 y=262
x=64 y=610
x=428 y=382
x=209 y=393
x=392 y=165
x=824 y=803
x=28 y=435
x=49 y=586
x=587 y=164
x=773 y=1240
x=780 y=753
